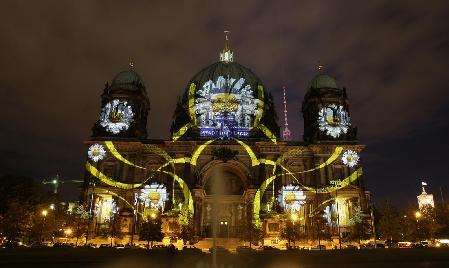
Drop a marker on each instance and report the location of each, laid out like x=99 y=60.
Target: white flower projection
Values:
x=116 y=116
x=350 y=158
x=334 y=120
x=154 y=196
x=225 y=108
x=96 y=152
x=291 y=197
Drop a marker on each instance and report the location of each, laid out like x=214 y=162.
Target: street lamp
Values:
x=68 y=232
x=153 y=215
x=418 y=214
x=44 y=213
x=294 y=217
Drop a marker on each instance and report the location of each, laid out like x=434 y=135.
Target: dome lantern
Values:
x=226 y=55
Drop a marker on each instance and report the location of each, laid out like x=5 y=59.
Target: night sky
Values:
x=392 y=56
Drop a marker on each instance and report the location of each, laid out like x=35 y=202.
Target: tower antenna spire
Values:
x=131 y=63
x=226 y=55
x=286 y=134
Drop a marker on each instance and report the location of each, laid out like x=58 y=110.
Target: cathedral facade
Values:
x=225 y=165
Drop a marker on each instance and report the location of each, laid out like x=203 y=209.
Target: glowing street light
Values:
x=52 y=206
x=294 y=217
x=153 y=215
x=68 y=232
x=418 y=214
x=44 y=213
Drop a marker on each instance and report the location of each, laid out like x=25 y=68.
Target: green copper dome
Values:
x=127 y=77
x=323 y=81
x=227 y=70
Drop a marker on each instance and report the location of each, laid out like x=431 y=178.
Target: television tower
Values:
x=286 y=133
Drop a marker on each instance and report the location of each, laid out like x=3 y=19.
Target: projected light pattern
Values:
x=333 y=120
x=116 y=116
x=350 y=158
x=154 y=196
x=96 y=152
x=105 y=207
x=330 y=213
x=225 y=108
x=291 y=197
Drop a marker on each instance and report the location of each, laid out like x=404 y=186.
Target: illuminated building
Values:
x=425 y=199
x=225 y=142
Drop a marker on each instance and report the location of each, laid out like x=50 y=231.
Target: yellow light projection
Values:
x=267 y=133
x=225 y=103
x=105 y=179
x=181 y=131
x=198 y=151
x=192 y=103
x=117 y=155
x=188 y=200
x=264 y=185
x=348 y=180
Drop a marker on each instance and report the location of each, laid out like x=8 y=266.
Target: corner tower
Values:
x=124 y=108
x=325 y=111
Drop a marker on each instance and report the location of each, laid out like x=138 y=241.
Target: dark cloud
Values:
x=391 y=55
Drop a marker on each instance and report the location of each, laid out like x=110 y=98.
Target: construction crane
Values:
x=56 y=181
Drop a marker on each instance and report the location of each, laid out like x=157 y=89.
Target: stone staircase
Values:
x=229 y=243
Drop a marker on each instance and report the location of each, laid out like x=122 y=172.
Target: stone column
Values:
x=198 y=196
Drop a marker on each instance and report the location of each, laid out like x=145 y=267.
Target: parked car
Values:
x=91 y=245
x=105 y=246
x=63 y=245
x=351 y=247
x=191 y=248
x=443 y=243
x=14 y=244
x=119 y=246
x=159 y=247
x=318 y=247
x=244 y=249
x=293 y=248
x=391 y=243
x=405 y=244
x=137 y=246
x=269 y=248
x=219 y=249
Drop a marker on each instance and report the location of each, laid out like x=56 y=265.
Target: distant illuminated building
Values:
x=425 y=199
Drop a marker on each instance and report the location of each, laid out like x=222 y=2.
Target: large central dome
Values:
x=225 y=100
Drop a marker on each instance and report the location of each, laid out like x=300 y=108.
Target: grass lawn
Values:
x=79 y=257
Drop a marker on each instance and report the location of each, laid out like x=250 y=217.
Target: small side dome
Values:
x=324 y=81
x=127 y=77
